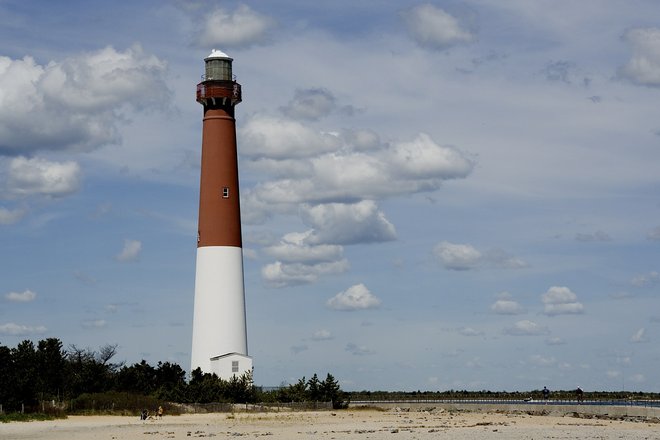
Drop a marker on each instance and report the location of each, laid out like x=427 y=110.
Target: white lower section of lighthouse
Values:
x=219 y=342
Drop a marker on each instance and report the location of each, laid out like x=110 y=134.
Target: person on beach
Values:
x=579 y=393
x=160 y=412
x=546 y=393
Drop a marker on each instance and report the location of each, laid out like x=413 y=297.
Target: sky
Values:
x=435 y=196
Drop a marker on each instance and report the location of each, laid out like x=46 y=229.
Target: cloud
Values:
x=130 y=252
x=358 y=350
x=526 y=328
x=454 y=256
x=25 y=296
x=555 y=341
x=279 y=138
x=342 y=223
x=295 y=248
x=301 y=263
x=646 y=280
x=561 y=301
x=78 y=100
x=639 y=336
x=558 y=71
x=280 y=274
x=507 y=307
x=654 y=235
x=433 y=28
x=94 y=323
x=317 y=168
x=457 y=256
x=11 y=329
x=295 y=349
x=241 y=28
x=593 y=237
x=11 y=216
x=469 y=331
x=643 y=68
x=310 y=104
x=356 y=297
x=36 y=176
x=322 y=335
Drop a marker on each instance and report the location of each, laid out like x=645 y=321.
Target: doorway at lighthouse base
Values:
x=230 y=364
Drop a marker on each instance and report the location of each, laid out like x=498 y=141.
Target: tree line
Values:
x=80 y=377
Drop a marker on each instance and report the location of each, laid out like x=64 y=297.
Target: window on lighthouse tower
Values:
x=225 y=192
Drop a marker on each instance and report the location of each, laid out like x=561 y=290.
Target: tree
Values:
x=331 y=392
x=7 y=379
x=170 y=381
x=24 y=358
x=139 y=378
x=51 y=366
x=314 y=389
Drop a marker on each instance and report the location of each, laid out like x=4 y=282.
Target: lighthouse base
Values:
x=219 y=327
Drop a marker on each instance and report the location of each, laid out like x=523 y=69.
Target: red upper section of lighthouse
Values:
x=211 y=90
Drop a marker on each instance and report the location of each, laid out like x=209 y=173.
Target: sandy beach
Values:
x=348 y=424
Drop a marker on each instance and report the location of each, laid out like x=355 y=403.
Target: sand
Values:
x=345 y=424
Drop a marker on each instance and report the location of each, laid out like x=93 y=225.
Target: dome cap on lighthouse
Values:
x=216 y=53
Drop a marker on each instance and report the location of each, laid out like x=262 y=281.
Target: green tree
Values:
x=24 y=358
x=7 y=379
x=314 y=389
x=139 y=378
x=170 y=382
x=331 y=392
x=51 y=367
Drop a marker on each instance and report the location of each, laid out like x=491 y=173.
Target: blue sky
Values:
x=444 y=195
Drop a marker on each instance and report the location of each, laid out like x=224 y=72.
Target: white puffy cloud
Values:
x=356 y=297
x=25 y=296
x=561 y=301
x=279 y=274
x=130 y=252
x=639 y=336
x=240 y=28
x=457 y=256
x=76 y=101
x=11 y=216
x=433 y=28
x=423 y=158
x=469 y=331
x=294 y=248
x=279 y=138
x=644 y=66
x=342 y=223
x=36 y=176
x=299 y=262
x=526 y=328
x=315 y=168
x=507 y=307
x=12 y=329
x=322 y=335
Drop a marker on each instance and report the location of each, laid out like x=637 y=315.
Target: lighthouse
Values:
x=219 y=342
